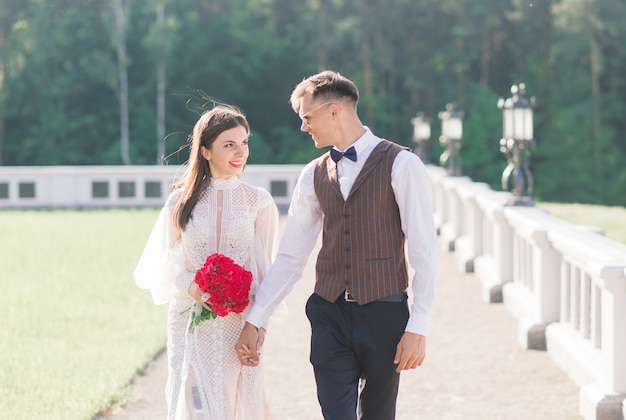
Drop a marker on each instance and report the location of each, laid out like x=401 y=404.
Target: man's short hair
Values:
x=328 y=85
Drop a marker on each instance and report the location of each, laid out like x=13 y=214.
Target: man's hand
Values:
x=411 y=351
x=249 y=344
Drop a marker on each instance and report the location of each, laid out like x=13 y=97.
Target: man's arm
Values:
x=299 y=238
x=410 y=185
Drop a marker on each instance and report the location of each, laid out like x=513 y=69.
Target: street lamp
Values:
x=517 y=143
x=451 y=135
x=421 y=136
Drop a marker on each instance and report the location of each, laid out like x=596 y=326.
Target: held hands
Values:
x=248 y=347
x=411 y=351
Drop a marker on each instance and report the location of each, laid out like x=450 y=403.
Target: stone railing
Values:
x=564 y=283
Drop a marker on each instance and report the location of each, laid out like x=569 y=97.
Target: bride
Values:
x=210 y=211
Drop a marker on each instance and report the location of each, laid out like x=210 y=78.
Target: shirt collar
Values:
x=368 y=139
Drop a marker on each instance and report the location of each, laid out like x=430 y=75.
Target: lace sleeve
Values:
x=183 y=281
x=162 y=262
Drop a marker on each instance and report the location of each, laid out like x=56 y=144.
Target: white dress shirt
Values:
x=409 y=182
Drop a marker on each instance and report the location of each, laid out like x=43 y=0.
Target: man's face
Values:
x=316 y=119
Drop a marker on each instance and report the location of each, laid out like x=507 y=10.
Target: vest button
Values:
x=348 y=266
x=348 y=249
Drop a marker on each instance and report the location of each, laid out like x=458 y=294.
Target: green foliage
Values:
x=205 y=315
x=59 y=80
x=482 y=128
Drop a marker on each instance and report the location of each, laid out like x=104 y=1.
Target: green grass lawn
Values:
x=75 y=327
x=611 y=219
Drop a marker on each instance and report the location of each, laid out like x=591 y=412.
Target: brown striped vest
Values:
x=362 y=240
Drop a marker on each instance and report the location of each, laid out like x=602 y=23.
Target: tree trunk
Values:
x=367 y=76
x=485 y=57
x=120 y=26
x=547 y=63
x=322 y=52
x=160 y=99
x=1 y=94
x=460 y=73
x=594 y=59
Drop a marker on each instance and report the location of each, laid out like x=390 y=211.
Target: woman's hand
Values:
x=252 y=335
x=196 y=293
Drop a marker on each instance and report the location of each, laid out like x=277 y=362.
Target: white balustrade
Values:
x=469 y=242
x=436 y=175
x=589 y=339
x=452 y=225
x=564 y=283
x=494 y=267
x=533 y=294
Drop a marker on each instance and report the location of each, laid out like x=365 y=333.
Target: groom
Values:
x=369 y=197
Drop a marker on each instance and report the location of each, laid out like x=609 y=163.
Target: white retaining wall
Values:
x=119 y=186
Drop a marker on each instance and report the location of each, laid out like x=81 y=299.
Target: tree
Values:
x=10 y=12
x=121 y=9
x=2 y=32
x=160 y=94
x=158 y=43
x=78 y=81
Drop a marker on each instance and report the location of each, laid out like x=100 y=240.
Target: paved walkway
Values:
x=474 y=368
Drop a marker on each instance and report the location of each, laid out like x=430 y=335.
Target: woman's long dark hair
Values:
x=211 y=124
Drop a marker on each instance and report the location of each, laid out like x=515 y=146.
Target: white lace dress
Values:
x=206 y=380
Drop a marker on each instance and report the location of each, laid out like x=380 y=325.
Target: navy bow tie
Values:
x=336 y=155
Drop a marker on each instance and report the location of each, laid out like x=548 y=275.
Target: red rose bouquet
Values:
x=225 y=286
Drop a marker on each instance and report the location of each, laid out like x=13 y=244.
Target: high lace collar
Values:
x=224 y=184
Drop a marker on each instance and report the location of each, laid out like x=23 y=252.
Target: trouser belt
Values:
x=398 y=297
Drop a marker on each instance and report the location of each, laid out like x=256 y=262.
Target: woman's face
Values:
x=228 y=154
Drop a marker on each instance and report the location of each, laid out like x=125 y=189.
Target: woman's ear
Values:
x=206 y=153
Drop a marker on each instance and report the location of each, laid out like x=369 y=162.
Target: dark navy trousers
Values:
x=352 y=352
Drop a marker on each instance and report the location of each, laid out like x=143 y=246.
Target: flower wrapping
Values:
x=225 y=285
